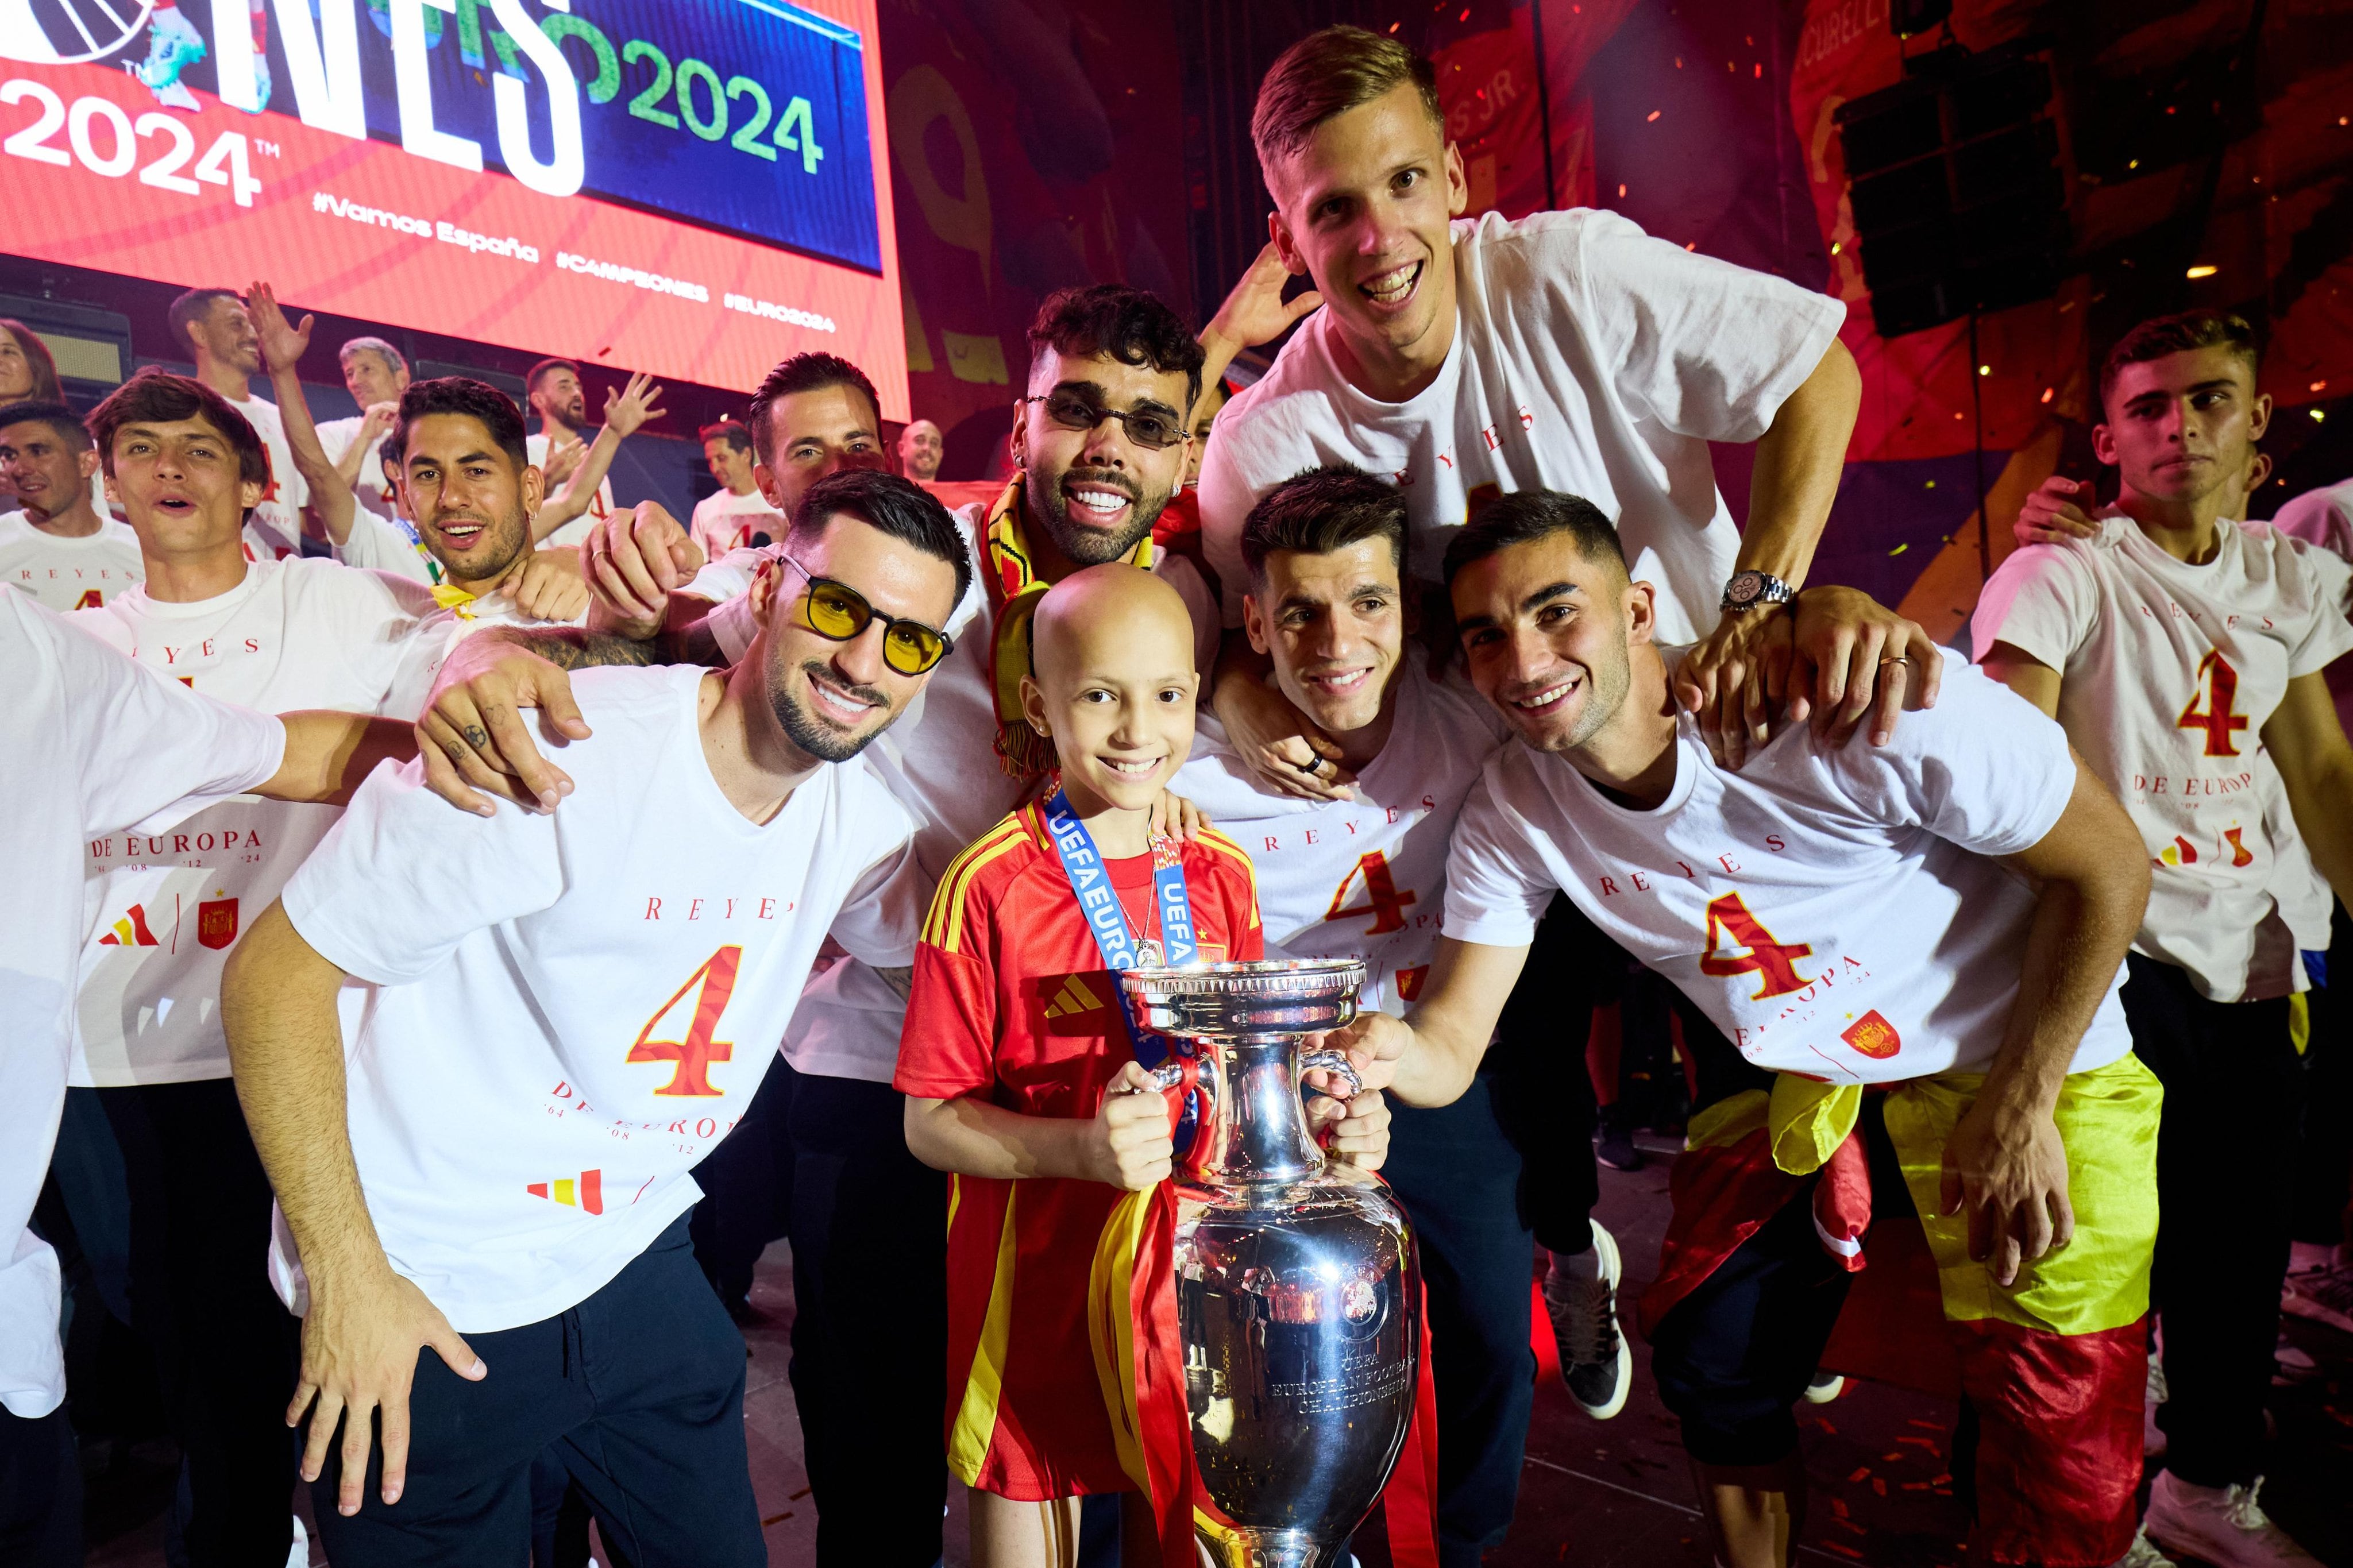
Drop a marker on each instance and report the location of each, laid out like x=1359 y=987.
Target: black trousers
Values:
x=637 y=1392
x=1457 y=1176
x=225 y=1349
x=2225 y=1157
x=2323 y=1175
x=868 y=1228
x=40 y=1492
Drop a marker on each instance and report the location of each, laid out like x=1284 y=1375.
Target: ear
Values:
x=2261 y=419
x=764 y=588
x=765 y=478
x=249 y=494
x=1020 y=438
x=1458 y=186
x=1254 y=623
x=86 y=464
x=1033 y=707
x=2259 y=472
x=1642 y=614
x=1294 y=259
x=2103 y=446
x=534 y=491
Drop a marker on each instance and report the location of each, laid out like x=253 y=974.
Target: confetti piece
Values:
x=1828 y=1427
x=2048 y=392
x=1920 y=1442
x=1837 y=1507
x=1879 y=1485
x=1850 y=1524
x=1862 y=1474
x=1931 y=484
x=1891 y=1459
x=1943 y=1480
x=1900 y=549
x=1915 y=1486
x=1842 y=1551
x=797 y=1497
x=1652 y=115
x=775 y=1519
x=1760 y=70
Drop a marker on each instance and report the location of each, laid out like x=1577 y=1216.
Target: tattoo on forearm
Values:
x=570 y=648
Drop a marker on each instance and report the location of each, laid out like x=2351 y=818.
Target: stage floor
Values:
x=1613 y=1494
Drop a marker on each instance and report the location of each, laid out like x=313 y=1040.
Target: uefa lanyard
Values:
x=1091 y=881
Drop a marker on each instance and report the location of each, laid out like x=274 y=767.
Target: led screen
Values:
x=693 y=188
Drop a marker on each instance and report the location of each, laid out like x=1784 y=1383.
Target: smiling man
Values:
x=2184 y=652
x=570 y=1011
x=1466 y=358
x=56 y=547
x=1947 y=913
x=272 y=634
x=1365 y=877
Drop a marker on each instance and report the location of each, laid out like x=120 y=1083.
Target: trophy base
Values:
x=1247 y=1548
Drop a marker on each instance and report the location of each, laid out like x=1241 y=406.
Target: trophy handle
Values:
x=1332 y=1061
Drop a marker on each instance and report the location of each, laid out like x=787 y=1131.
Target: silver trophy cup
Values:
x=1298 y=1294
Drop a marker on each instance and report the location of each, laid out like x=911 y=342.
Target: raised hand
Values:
x=281 y=344
x=1256 y=312
x=634 y=405
x=564 y=455
x=633 y=562
x=2055 y=511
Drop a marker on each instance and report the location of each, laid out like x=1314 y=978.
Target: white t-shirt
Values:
x=70 y=574
x=438 y=635
x=161 y=910
x=2169 y=672
x=725 y=521
x=277 y=523
x=571 y=1010
x=90 y=745
x=1366 y=878
x=940 y=759
x=372 y=489
x=1836 y=910
x=600 y=506
x=1588 y=358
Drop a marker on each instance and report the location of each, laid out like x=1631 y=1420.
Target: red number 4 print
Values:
x=1382 y=901
x=695 y=1053
x=2221 y=693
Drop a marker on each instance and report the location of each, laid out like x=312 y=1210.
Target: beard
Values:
x=503 y=544
x=821 y=739
x=1082 y=543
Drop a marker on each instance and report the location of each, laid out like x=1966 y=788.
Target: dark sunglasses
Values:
x=1074 y=410
x=839 y=612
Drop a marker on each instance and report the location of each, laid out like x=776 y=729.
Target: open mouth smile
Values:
x=1538 y=704
x=1392 y=289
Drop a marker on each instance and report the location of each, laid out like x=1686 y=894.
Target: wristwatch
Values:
x=1749 y=589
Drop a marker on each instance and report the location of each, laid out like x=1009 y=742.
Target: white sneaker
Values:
x=299 y=1555
x=1580 y=1296
x=2152 y=1436
x=2225 y=1526
x=1824 y=1387
x=2141 y=1555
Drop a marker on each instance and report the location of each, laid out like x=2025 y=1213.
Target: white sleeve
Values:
x=2040 y=601
x=727 y=584
x=377 y=545
x=1497 y=886
x=1983 y=769
x=146 y=751
x=1704 y=347
x=2328 y=639
x=884 y=915
x=1182 y=574
x=405 y=877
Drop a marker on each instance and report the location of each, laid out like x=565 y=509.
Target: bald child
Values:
x=1024 y=1079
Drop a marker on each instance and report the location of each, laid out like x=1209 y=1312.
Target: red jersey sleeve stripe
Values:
x=944 y=928
x=1227 y=846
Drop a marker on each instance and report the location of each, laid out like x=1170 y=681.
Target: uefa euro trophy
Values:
x=1298 y=1294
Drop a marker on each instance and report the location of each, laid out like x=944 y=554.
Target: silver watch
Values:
x=1751 y=590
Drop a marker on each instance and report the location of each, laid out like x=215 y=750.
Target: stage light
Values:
x=2201 y=273
x=2317 y=416
x=1985 y=370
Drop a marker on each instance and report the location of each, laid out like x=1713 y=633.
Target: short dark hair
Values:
x=1130 y=325
x=738 y=439
x=193 y=307
x=2178 y=333
x=156 y=396
x=1321 y=510
x=458 y=394
x=46 y=386
x=543 y=370
x=60 y=418
x=811 y=372
x=899 y=506
x=1329 y=72
x=1522 y=517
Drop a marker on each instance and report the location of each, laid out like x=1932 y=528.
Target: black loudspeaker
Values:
x=1958 y=202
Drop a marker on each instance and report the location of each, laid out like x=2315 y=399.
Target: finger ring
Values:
x=1315 y=765
x=1885 y=662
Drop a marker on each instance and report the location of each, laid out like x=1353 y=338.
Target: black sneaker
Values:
x=1613 y=1144
x=1581 y=1298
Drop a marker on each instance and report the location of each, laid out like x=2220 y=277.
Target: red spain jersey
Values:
x=1011 y=1000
